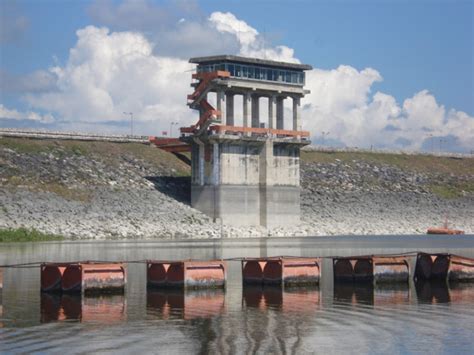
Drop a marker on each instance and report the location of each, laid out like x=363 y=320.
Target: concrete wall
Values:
x=257 y=182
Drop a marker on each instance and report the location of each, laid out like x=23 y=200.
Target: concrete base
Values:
x=244 y=205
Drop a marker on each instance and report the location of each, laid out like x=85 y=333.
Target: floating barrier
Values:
x=444 y=266
x=295 y=300
x=108 y=309
x=185 y=304
x=380 y=269
x=281 y=271
x=52 y=276
x=186 y=274
x=84 y=277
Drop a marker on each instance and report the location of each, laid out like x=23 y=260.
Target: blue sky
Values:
x=414 y=45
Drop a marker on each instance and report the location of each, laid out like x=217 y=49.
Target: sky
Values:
x=387 y=74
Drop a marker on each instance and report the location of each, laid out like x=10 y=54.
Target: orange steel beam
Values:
x=207 y=112
x=282 y=132
x=172 y=145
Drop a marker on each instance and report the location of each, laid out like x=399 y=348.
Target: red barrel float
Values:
x=52 y=276
x=461 y=269
x=379 y=269
x=94 y=277
x=84 y=277
x=186 y=274
x=444 y=266
x=281 y=271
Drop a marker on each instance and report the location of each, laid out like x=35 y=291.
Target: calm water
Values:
x=425 y=318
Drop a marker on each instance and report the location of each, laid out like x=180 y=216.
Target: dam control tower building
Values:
x=247 y=173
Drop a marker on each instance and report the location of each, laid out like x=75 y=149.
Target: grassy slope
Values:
x=425 y=164
x=111 y=153
x=25 y=235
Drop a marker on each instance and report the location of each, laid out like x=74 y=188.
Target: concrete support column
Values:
x=280 y=116
x=246 y=110
x=221 y=106
x=229 y=98
x=255 y=111
x=200 y=161
x=215 y=164
x=272 y=112
x=296 y=114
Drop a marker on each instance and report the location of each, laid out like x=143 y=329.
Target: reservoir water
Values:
x=416 y=318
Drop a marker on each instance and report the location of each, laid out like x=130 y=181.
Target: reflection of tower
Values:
x=262 y=309
x=246 y=173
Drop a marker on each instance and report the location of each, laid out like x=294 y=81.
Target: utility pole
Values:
x=131 y=121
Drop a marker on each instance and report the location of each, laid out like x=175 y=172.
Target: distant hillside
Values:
x=115 y=190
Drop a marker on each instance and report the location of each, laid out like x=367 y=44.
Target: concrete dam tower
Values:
x=247 y=174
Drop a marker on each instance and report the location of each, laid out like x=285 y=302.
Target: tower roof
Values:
x=246 y=60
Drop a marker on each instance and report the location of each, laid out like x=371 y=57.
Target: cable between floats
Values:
x=238 y=258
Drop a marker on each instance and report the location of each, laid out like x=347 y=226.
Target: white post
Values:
x=296 y=114
x=247 y=102
x=221 y=106
x=272 y=112
x=215 y=164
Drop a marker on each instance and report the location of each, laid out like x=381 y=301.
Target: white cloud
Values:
x=13 y=114
x=109 y=72
x=251 y=43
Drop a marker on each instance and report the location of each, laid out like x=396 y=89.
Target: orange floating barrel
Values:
x=379 y=269
x=461 y=269
x=94 y=277
x=444 y=266
x=391 y=269
x=186 y=274
x=281 y=271
x=51 y=276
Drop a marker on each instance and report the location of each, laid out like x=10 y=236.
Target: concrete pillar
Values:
x=201 y=162
x=221 y=106
x=246 y=111
x=215 y=164
x=229 y=99
x=265 y=179
x=296 y=114
x=255 y=111
x=280 y=113
x=272 y=112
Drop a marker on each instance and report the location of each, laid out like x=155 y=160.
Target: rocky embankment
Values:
x=112 y=190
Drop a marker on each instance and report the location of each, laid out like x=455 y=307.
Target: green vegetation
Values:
x=26 y=235
x=452 y=191
x=409 y=162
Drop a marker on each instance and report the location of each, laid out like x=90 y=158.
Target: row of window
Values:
x=255 y=72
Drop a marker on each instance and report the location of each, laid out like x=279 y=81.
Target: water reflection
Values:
x=185 y=304
x=106 y=309
x=295 y=300
x=354 y=293
x=367 y=294
x=438 y=291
